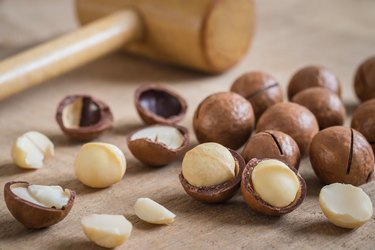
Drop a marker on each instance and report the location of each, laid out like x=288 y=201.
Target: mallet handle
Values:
x=63 y=54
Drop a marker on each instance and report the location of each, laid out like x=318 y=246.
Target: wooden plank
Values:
x=290 y=34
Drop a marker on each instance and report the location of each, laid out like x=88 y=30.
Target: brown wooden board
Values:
x=290 y=34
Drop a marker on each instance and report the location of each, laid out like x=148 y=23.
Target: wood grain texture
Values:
x=290 y=34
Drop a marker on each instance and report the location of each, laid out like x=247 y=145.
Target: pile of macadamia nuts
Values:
x=310 y=124
x=266 y=170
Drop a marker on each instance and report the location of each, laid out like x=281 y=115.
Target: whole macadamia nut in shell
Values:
x=226 y=118
x=324 y=104
x=260 y=89
x=364 y=80
x=363 y=120
x=340 y=154
x=313 y=76
x=292 y=119
x=274 y=145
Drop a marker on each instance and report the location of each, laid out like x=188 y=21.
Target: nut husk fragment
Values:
x=220 y=192
x=32 y=215
x=83 y=117
x=255 y=201
x=156 y=104
x=154 y=153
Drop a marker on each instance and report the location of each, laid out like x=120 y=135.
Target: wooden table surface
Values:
x=290 y=34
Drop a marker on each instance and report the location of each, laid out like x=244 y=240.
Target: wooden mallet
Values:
x=207 y=35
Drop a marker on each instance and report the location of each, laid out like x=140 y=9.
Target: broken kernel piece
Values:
x=31 y=150
x=107 y=230
x=345 y=205
x=152 y=212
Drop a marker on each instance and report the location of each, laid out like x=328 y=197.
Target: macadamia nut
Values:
x=99 y=165
x=45 y=196
x=170 y=136
x=107 y=230
x=31 y=150
x=275 y=183
x=152 y=212
x=345 y=205
x=208 y=164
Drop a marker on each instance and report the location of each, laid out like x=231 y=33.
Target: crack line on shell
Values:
x=350 y=152
x=261 y=90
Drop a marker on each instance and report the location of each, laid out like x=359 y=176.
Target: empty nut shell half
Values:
x=158 y=104
x=83 y=117
x=32 y=215
x=254 y=200
x=158 y=145
x=220 y=192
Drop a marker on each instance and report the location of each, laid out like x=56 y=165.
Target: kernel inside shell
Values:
x=169 y=136
x=81 y=112
x=275 y=182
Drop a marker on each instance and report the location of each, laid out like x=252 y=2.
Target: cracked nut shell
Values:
x=154 y=153
x=157 y=104
x=313 y=76
x=363 y=120
x=32 y=215
x=292 y=119
x=364 y=80
x=274 y=145
x=226 y=118
x=326 y=106
x=220 y=192
x=256 y=203
x=340 y=154
x=260 y=89
x=83 y=117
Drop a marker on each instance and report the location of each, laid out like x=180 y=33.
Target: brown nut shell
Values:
x=95 y=117
x=260 y=89
x=326 y=106
x=292 y=119
x=156 y=104
x=274 y=145
x=32 y=215
x=255 y=202
x=363 y=120
x=226 y=118
x=313 y=76
x=154 y=153
x=340 y=154
x=216 y=193
x=364 y=80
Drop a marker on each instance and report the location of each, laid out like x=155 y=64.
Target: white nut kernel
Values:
x=171 y=137
x=208 y=164
x=31 y=150
x=99 y=165
x=107 y=230
x=345 y=205
x=71 y=115
x=275 y=183
x=152 y=212
x=45 y=196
